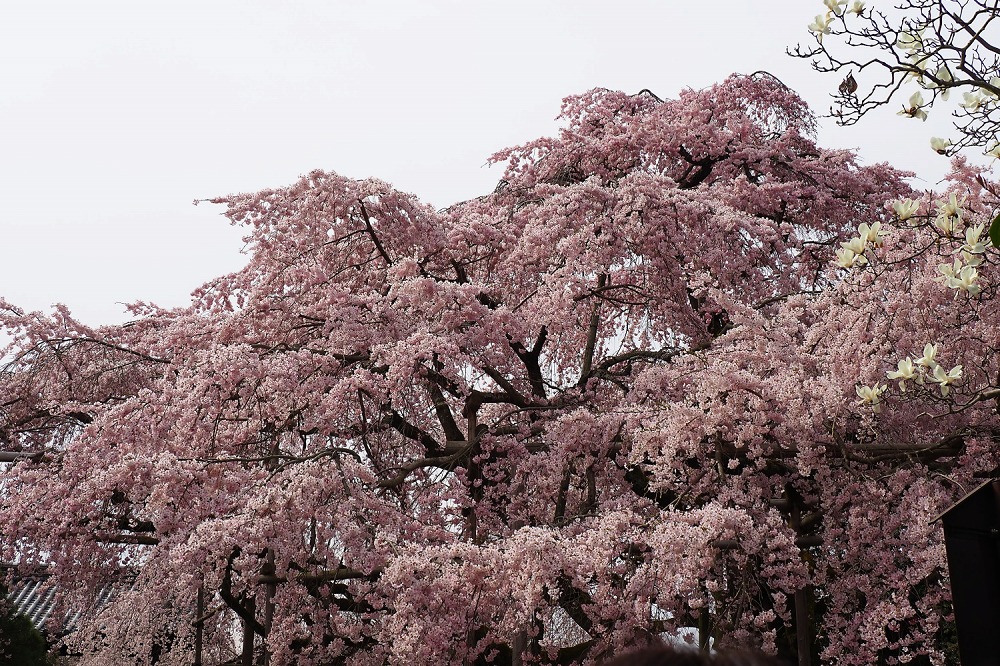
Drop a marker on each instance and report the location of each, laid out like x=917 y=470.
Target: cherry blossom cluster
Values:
x=539 y=425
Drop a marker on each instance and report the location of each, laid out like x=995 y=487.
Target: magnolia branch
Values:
x=14 y=456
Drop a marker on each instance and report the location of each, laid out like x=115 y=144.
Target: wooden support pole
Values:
x=14 y=456
x=267 y=569
x=199 y=627
x=248 y=634
x=518 y=647
x=803 y=617
x=803 y=626
x=704 y=630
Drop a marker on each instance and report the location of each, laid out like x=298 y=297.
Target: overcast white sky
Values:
x=114 y=116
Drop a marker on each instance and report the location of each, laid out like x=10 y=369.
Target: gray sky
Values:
x=114 y=116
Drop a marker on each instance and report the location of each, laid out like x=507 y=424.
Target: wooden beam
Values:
x=199 y=627
x=14 y=456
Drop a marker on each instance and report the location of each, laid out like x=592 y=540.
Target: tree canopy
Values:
x=641 y=385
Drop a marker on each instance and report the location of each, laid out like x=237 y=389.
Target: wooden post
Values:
x=248 y=634
x=803 y=626
x=704 y=630
x=199 y=627
x=803 y=619
x=517 y=648
x=268 y=570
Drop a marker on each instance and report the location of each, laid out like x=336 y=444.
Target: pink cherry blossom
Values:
x=614 y=397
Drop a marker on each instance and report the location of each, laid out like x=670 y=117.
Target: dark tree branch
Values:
x=443 y=411
x=407 y=429
x=441 y=462
x=226 y=592
x=505 y=384
x=592 y=329
x=371 y=233
x=530 y=358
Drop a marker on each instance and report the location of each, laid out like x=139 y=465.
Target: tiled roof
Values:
x=35 y=597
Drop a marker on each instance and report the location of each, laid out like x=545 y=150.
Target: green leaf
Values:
x=995 y=231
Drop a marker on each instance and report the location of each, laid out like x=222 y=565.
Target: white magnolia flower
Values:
x=856 y=245
x=972 y=101
x=973 y=233
x=973 y=242
x=939 y=145
x=905 y=208
x=944 y=76
x=913 y=108
x=974 y=248
x=871 y=395
x=872 y=234
x=949 y=213
x=952 y=206
x=994 y=151
x=856 y=7
x=821 y=25
x=965 y=280
x=919 y=62
x=971 y=259
x=949 y=271
x=905 y=370
x=945 y=224
x=927 y=360
x=946 y=379
x=836 y=6
x=847 y=258
x=911 y=42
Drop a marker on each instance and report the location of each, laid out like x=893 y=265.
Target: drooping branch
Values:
x=318 y=578
x=478 y=398
x=283 y=458
x=72 y=342
x=605 y=366
x=445 y=462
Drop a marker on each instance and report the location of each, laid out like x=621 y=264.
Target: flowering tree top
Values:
x=634 y=388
